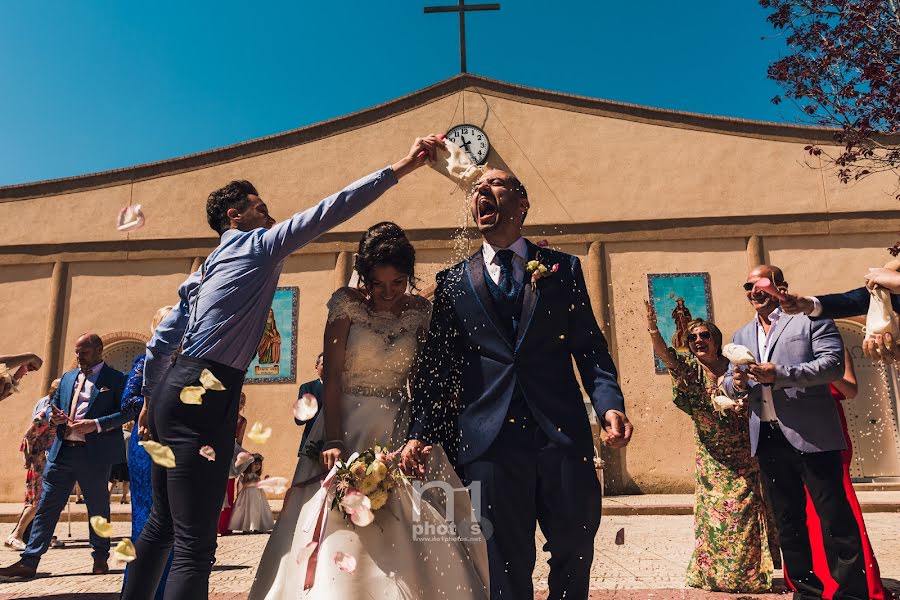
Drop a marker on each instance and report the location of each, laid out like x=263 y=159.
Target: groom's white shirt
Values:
x=519 y=247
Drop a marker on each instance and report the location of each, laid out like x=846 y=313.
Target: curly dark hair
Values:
x=233 y=195
x=385 y=244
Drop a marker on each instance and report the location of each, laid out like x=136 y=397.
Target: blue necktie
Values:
x=508 y=285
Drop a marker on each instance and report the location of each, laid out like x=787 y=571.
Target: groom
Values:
x=500 y=349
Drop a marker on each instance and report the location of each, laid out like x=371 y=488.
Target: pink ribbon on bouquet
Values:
x=319 y=522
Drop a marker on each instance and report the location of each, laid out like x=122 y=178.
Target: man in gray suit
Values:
x=795 y=432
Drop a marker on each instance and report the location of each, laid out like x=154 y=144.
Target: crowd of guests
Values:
x=775 y=484
x=773 y=452
x=58 y=446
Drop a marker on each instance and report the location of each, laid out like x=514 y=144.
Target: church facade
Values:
x=649 y=199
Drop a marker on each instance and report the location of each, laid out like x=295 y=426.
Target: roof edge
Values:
x=322 y=129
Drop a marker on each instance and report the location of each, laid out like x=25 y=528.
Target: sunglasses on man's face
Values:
x=703 y=335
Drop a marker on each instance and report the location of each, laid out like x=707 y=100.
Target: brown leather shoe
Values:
x=100 y=567
x=18 y=570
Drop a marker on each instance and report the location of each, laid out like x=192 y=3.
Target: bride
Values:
x=409 y=551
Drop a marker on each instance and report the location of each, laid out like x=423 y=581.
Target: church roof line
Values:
x=464 y=81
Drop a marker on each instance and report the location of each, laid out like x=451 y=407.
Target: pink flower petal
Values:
x=306 y=552
x=273 y=485
x=242 y=459
x=306 y=407
x=345 y=562
x=208 y=453
x=130 y=218
x=362 y=517
x=355 y=500
x=543 y=244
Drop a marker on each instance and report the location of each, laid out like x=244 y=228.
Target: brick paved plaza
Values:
x=650 y=565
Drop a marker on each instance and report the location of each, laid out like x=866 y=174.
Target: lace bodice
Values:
x=381 y=347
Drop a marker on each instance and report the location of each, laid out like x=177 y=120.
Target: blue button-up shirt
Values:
x=223 y=319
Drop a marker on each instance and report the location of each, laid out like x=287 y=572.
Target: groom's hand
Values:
x=412 y=460
x=618 y=429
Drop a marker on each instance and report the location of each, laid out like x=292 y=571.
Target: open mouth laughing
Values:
x=487 y=209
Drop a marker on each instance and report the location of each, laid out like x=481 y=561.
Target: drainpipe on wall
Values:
x=55 y=316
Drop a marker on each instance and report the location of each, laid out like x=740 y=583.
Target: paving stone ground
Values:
x=649 y=565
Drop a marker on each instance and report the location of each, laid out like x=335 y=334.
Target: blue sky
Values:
x=96 y=85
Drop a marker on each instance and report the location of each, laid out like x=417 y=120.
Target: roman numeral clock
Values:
x=473 y=140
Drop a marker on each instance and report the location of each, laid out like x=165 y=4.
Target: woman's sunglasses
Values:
x=703 y=335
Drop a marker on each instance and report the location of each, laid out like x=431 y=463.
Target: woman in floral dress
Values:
x=731 y=553
x=34 y=446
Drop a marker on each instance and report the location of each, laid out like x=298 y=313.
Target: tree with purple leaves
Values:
x=844 y=72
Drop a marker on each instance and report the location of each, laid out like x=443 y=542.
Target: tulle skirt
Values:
x=418 y=547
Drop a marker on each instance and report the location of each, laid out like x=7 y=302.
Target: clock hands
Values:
x=465 y=146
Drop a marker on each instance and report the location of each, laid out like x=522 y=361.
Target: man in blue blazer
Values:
x=86 y=410
x=496 y=388
x=796 y=434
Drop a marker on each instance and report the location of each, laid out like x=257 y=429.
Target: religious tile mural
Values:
x=677 y=298
x=276 y=356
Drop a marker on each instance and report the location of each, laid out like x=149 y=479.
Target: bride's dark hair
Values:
x=385 y=244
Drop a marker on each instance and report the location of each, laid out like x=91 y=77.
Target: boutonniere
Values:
x=539 y=270
x=103 y=389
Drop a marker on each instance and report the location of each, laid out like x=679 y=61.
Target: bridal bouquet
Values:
x=363 y=482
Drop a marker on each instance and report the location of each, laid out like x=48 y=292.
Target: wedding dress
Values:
x=411 y=551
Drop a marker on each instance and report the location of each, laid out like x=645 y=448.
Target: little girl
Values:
x=251 y=512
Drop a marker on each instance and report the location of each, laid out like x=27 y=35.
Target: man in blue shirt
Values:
x=217 y=326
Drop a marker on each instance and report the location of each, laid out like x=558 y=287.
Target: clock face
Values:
x=471 y=139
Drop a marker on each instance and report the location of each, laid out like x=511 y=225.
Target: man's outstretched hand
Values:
x=618 y=429
x=413 y=458
x=796 y=305
x=423 y=150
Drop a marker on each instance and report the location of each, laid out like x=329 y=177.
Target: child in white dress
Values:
x=251 y=512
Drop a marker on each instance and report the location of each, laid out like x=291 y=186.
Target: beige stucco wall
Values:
x=23 y=323
x=654 y=195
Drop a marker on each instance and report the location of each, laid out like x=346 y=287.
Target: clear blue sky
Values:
x=90 y=85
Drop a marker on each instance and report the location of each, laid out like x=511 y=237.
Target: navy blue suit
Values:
x=497 y=389
x=88 y=464
x=850 y=304
x=316 y=388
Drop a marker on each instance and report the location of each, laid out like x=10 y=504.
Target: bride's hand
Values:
x=330 y=456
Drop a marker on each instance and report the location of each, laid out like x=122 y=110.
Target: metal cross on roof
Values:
x=462 y=8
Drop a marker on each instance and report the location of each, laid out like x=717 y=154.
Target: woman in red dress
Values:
x=231 y=489
x=844 y=388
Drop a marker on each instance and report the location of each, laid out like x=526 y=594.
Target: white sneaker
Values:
x=15 y=543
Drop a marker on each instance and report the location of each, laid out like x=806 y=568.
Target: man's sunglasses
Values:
x=748 y=287
x=703 y=335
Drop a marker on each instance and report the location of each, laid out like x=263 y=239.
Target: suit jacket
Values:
x=315 y=388
x=106 y=447
x=808 y=356
x=471 y=366
x=850 y=304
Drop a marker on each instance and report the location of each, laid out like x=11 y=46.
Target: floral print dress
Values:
x=731 y=552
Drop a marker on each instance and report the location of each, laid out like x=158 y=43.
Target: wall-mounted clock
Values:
x=473 y=140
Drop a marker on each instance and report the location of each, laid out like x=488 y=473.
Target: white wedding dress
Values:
x=404 y=554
